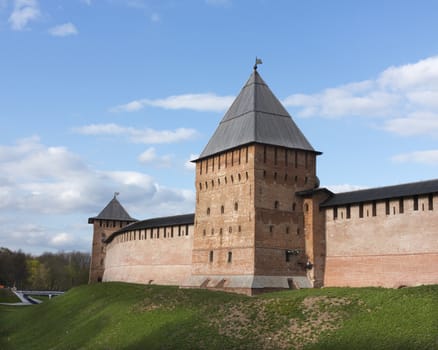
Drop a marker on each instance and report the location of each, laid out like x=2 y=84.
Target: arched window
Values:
x=276 y=204
x=208 y=211
x=222 y=209
x=236 y=206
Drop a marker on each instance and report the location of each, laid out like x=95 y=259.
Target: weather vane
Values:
x=116 y=194
x=257 y=61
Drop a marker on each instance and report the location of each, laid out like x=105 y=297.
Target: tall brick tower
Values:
x=112 y=218
x=249 y=227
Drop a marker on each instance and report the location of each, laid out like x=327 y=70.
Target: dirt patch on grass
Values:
x=279 y=323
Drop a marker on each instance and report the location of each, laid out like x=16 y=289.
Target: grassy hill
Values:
x=127 y=316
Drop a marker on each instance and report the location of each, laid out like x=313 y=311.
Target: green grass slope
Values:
x=6 y=296
x=127 y=316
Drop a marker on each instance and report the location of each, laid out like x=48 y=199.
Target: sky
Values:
x=105 y=96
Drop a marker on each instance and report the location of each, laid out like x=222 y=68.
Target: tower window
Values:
x=230 y=257
x=236 y=206
x=208 y=211
x=294 y=206
x=374 y=208
x=430 y=201
x=335 y=213
x=401 y=206
x=348 y=212
x=361 y=210
x=230 y=229
x=276 y=205
x=387 y=207
x=211 y=256
x=222 y=209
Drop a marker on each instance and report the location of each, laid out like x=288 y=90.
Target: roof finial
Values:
x=257 y=61
x=116 y=194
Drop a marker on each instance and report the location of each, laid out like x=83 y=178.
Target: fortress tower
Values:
x=112 y=218
x=249 y=226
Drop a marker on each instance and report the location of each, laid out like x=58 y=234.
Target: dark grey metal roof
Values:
x=185 y=219
x=382 y=193
x=256 y=116
x=113 y=211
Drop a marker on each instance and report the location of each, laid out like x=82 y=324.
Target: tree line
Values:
x=49 y=271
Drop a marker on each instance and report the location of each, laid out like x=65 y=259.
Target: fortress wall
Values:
x=165 y=258
x=395 y=243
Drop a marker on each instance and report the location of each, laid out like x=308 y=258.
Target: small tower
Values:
x=112 y=218
x=249 y=229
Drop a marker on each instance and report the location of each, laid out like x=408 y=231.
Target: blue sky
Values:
x=104 y=96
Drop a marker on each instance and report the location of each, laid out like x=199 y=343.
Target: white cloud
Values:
x=39 y=182
x=429 y=157
x=65 y=29
x=149 y=156
x=417 y=123
x=62 y=239
x=422 y=74
x=404 y=98
x=197 y=102
x=53 y=180
x=24 y=12
x=189 y=165
x=147 y=136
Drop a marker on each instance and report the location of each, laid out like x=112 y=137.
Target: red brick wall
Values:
x=383 y=250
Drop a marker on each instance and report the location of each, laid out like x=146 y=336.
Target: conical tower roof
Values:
x=113 y=211
x=256 y=116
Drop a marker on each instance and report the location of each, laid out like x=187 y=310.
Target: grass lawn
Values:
x=6 y=296
x=128 y=316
